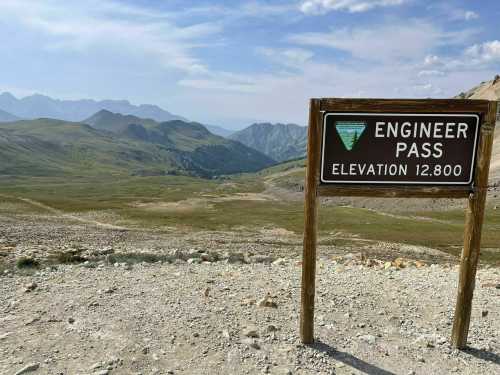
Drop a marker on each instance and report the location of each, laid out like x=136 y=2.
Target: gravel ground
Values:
x=228 y=303
x=218 y=317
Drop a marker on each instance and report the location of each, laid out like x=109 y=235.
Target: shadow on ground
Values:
x=484 y=355
x=349 y=360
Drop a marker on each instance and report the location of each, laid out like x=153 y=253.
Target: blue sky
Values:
x=234 y=62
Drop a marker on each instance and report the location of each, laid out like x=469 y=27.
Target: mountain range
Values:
x=125 y=143
x=6 y=117
x=110 y=143
x=279 y=141
x=41 y=106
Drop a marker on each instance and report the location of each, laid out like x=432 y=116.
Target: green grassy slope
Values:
x=117 y=199
x=47 y=147
x=52 y=147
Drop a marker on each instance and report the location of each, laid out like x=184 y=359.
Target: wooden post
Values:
x=310 y=223
x=473 y=228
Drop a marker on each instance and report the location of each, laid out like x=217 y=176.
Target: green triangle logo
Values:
x=350 y=132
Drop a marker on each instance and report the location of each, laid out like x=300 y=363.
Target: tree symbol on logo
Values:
x=355 y=138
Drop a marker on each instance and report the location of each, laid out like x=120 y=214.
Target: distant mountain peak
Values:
x=7 y=117
x=39 y=105
x=278 y=141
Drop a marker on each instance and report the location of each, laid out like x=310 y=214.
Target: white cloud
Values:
x=450 y=11
x=390 y=42
x=222 y=81
x=352 y=6
x=483 y=53
x=109 y=25
x=290 y=57
x=430 y=73
x=235 y=12
x=432 y=60
x=479 y=56
x=427 y=89
x=470 y=15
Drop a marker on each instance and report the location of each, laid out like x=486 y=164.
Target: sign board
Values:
x=399 y=148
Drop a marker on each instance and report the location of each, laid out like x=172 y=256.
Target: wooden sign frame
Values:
x=476 y=194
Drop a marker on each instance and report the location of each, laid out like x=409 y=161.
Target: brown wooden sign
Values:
x=399 y=148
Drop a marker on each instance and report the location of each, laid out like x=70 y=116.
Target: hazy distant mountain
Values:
x=279 y=141
x=7 y=117
x=37 y=106
x=121 y=145
x=116 y=122
x=218 y=130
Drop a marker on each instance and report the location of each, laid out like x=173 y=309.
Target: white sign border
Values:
x=323 y=181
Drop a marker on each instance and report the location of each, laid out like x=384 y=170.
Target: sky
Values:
x=232 y=63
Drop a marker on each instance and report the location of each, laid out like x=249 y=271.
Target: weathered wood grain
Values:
x=405 y=105
x=473 y=229
x=393 y=191
x=310 y=225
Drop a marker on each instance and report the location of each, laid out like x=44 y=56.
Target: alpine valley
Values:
x=111 y=143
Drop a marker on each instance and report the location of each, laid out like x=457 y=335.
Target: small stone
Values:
x=399 y=263
x=420 y=264
x=251 y=343
x=3 y=336
x=102 y=372
x=71 y=320
x=248 y=302
x=484 y=313
x=30 y=287
x=271 y=328
x=106 y=250
x=95 y=366
x=250 y=332
x=429 y=341
x=32 y=320
x=267 y=301
x=279 y=262
x=28 y=368
x=145 y=350
x=236 y=258
x=260 y=258
x=196 y=334
x=370 y=339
